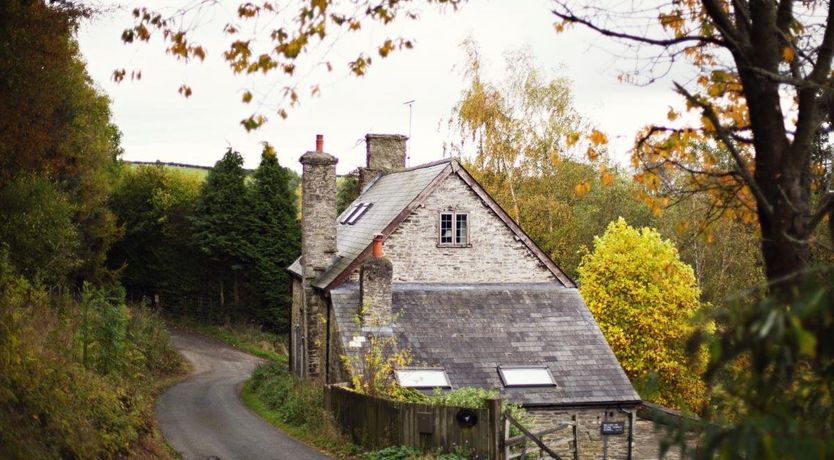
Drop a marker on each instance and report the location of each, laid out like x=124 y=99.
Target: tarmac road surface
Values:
x=203 y=417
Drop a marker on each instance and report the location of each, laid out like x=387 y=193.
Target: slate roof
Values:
x=470 y=330
x=390 y=194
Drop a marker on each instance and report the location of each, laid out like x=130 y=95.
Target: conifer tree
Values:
x=222 y=220
x=275 y=238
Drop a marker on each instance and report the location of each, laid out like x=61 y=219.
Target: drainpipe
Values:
x=630 y=429
x=605 y=437
x=327 y=342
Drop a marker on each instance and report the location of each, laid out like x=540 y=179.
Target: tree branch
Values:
x=731 y=34
x=725 y=139
x=570 y=17
x=742 y=13
x=826 y=207
x=823 y=65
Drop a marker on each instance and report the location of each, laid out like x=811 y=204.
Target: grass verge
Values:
x=297 y=408
x=245 y=337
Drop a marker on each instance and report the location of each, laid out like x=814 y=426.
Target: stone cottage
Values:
x=425 y=255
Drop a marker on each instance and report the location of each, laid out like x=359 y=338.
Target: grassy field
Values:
x=198 y=171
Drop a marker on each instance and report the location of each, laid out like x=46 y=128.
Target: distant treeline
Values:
x=216 y=248
x=172 y=165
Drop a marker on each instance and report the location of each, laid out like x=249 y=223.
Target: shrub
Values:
x=409 y=453
x=53 y=406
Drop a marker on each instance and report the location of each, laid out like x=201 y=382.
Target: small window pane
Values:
x=446 y=229
x=423 y=378
x=526 y=376
x=461 y=230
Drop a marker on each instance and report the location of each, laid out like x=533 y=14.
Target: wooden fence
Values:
x=376 y=423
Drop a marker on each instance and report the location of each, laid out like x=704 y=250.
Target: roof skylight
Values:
x=525 y=376
x=423 y=378
x=355 y=213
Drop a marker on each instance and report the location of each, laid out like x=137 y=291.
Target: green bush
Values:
x=51 y=404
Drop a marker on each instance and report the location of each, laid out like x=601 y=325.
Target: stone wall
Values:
x=296 y=326
x=375 y=291
x=648 y=435
x=315 y=333
x=385 y=152
x=318 y=219
x=494 y=255
x=591 y=443
x=318 y=247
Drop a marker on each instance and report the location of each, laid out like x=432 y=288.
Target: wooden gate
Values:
x=519 y=447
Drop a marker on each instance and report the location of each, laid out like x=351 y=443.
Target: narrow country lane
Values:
x=203 y=416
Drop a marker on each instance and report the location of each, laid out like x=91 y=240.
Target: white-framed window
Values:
x=428 y=377
x=525 y=376
x=453 y=229
x=352 y=215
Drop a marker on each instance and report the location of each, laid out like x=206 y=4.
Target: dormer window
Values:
x=453 y=229
x=352 y=215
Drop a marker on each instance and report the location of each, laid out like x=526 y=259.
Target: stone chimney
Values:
x=375 y=287
x=318 y=210
x=385 y=153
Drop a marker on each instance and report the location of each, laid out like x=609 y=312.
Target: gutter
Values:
x=619 y=404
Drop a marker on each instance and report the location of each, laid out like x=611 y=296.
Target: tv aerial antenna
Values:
x=410 y=105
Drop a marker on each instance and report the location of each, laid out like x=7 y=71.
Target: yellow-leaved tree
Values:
x=644 y=299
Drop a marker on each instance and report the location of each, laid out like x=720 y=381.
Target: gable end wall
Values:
x=494 y=255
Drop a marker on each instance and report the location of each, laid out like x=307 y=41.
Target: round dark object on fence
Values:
x=467 y=417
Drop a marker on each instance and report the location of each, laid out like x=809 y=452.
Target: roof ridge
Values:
x=424 y=165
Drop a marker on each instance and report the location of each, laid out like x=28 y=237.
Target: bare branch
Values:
x=572 y=18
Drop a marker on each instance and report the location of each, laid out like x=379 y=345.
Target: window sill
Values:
x=447 y=245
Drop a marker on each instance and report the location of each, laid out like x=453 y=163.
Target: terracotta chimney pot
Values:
x=377 y=247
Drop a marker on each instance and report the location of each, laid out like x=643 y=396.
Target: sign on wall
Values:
x=609 y=428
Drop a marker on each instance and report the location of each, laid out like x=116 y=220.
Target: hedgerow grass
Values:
x=246 y=337
x=297 y=407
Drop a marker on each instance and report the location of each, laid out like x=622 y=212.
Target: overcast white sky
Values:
x=158 y=124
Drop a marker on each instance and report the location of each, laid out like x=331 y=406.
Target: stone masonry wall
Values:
x=296 y=329
x=318 y=204
x=375 y=291
x=385 y=152
x=318 y=247
x=647 y=436
x=591 y=443
x=493 y=255
x=315 y=333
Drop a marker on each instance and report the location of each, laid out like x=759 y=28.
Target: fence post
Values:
x=328 y=404
x=495 y=428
